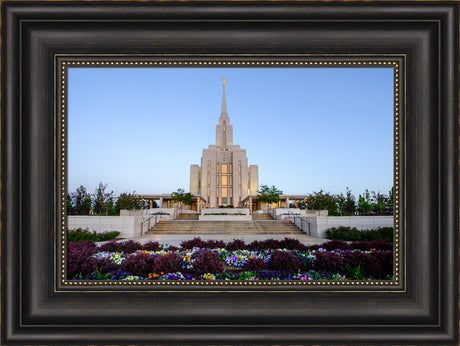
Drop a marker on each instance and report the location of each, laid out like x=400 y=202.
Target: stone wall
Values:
x=319 y=224
x=128 y=226
x=285 y=212
x=245 y=217
x=147 y=212
x=125 y=212
x=225 y=210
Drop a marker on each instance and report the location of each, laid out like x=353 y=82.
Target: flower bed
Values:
x=197 y=259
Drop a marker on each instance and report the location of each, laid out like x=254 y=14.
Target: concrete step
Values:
x=187 y=217
x=262 y=217
x=225 y=227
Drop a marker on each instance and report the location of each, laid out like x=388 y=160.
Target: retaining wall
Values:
x=128 y=226
x=319 y=224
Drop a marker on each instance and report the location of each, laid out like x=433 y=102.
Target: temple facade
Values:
x=224 y=177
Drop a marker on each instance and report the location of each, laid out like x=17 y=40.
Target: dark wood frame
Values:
x=422 y=310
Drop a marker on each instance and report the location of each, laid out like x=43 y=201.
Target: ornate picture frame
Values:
x=40 y=308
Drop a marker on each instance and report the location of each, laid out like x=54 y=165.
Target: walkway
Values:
x=176 y=239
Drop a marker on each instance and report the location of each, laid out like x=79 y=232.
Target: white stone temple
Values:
x=224 y=177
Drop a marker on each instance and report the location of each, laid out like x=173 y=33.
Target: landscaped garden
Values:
x=197 y=259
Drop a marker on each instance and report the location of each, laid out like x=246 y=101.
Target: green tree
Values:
x=269 y=195
x=350 y=203
x=129 y=201
x=378 y=205
x=70 y=206
x=323 y=201
x=181 y=197
x=389 y=203
x=81 y=201
x=103 y=202
x=346 y=204
x=300 y=204
x=365 y=203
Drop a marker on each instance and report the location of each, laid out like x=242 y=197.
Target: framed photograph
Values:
x=64 y=64
x=241 y=237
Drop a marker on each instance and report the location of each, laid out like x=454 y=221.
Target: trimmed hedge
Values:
x=84 y=234
x=350 y=234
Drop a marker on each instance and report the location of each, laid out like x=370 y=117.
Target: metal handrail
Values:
x=302 y=220
x=148 y=219
x=177 y=213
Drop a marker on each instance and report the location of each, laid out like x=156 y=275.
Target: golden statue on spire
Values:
x=223 y=80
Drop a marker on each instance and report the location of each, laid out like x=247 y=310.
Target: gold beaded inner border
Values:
x=394 y=62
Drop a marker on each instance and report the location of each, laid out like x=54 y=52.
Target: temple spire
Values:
x=224 y=131
x=224 y=101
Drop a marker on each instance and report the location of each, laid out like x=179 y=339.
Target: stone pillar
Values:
x=296 y=203
x=287 y=202
x=151 y=203
x=161 y=202
x=250 y=205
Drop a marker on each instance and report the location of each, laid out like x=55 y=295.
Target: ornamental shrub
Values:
x=79 y=258
x=381 y=244
x=236 y=244
x=140 y=263
x=379 y=264
x=214 y=244
x=84 y=234
x=255 y=263
x=336 y=245
x=151 y=246
x=171 y=248
x=350 y=234
x=385 y=233
x=360 y=245
x=330 y=262
x=167 y=263
x=207 y=261
x=284 y=260
x=354 y=259
x=292 y=244
x=130 y=246
x=343 y=233
x=111 y=246
x=267 y=244
x=369 y=245
x=195 y=242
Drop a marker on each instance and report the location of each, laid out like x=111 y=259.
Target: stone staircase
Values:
x=187 y=217
x=262 y=217
x=225 y=227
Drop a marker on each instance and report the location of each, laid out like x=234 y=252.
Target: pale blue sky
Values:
x=140 y=129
